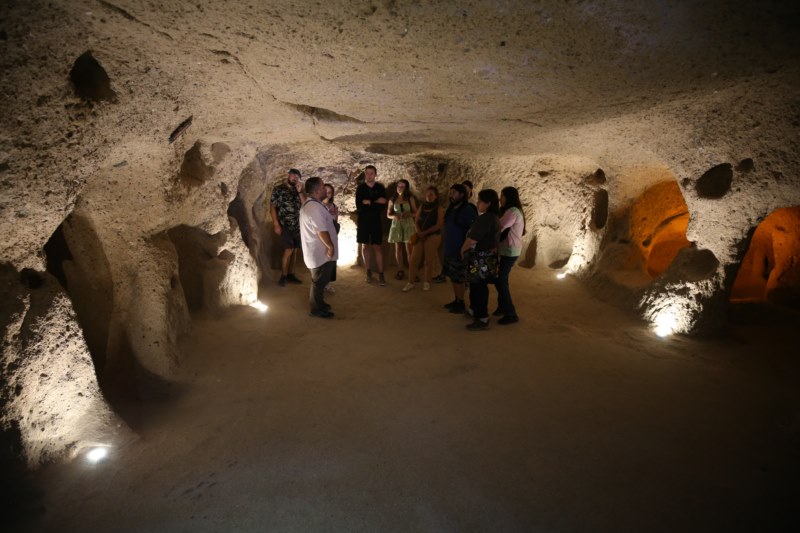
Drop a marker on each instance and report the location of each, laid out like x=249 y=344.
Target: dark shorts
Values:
x=455 y=269
x=290 y=239
x=369 y=233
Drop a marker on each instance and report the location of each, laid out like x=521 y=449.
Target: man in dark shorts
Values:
x=458 y=218
x=371 y=206
x=285 y=204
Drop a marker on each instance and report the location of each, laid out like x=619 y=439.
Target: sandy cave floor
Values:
x=393 y=417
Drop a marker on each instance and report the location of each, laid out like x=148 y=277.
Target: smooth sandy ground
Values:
x=393 y=417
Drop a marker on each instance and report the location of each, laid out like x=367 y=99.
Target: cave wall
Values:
x=49 y=394
x=540 y=97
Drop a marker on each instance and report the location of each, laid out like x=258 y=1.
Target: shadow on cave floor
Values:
x=392 y=417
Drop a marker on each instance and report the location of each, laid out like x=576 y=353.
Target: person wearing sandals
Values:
x=401 y=210
x=512 y=227
x=333 y=209
x=371 y=205
x=429 y=224
x=479 y=252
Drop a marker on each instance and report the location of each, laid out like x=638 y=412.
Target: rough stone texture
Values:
x=49 y=392
x=537 y=95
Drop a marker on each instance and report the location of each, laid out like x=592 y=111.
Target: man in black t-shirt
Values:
x=371 y=207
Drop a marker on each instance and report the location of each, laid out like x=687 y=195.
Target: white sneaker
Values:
x=408 y=287
x=330 y=288
x=426 y=286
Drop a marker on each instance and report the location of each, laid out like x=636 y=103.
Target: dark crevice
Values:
x=90 y=79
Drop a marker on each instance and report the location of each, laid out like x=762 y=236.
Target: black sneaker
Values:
x=368 y=279
x=508 y=319
x=451 y=304
x=458 y=308
x=439 y=279
x=321 y=313
x=282 y=281
x=478 y=325
x=381 y=280
x=498 y=312
x=291 y=278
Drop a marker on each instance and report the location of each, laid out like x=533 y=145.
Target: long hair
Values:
x=490 y=197
x=333 y=193
x=435 y=192
x=406 y=195
x=512 y=200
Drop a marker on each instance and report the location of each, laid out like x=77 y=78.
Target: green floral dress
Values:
x=402 y=229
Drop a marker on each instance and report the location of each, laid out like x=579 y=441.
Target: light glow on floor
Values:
x=262 y=307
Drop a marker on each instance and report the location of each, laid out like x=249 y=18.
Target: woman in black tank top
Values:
x=429 y=223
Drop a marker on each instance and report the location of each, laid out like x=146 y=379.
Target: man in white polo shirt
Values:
x=320 y=245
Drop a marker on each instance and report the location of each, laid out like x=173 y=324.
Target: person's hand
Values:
x=278 y=229
x=366 y=201
x=329 y=252
x=380 y=201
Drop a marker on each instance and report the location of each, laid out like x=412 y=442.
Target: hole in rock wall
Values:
x=658 y=221
x=600 y=209
x=770 y=269
x=31 y=279
x=194 y=170
x=90 y=79
x=716 y=182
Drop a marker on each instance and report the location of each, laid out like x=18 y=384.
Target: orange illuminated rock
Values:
x=770 y=269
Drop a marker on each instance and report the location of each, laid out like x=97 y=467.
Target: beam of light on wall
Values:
x=97 y=454
x=260 y=306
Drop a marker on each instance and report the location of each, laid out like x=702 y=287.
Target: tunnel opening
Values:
x=75 y=257
x=213 y=271
x=658 y=221
x=770 y=269
x=600 y=209
x=195 y=249
x=238 y=211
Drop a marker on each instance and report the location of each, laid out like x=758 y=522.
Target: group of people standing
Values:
x=306 y=216
x=482 y=241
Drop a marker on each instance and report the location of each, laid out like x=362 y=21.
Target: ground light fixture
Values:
x=97 y=454
x=561 y=275
x=262 y=307
x=665 y=323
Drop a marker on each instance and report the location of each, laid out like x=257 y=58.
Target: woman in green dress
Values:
x=401 y=209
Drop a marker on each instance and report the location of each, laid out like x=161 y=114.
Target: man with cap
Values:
x=285 y=205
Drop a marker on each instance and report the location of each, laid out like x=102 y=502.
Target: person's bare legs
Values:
x=398 y=255
x=366 y=253
x=287 y=261
x=408 y=254
x=377 y=251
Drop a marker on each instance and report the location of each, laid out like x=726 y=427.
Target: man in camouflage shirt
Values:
x=285 y=204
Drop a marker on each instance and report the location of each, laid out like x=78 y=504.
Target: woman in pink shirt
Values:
x=512 y=227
